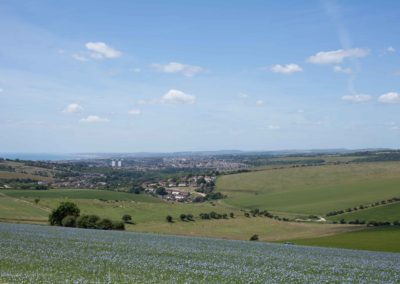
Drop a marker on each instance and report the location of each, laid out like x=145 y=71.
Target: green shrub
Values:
x=63 y=210
x=69 y=221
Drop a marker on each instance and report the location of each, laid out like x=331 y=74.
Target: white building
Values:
x=119 y=164
x=113 y=164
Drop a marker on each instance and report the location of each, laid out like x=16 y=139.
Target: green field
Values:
x=389 y=212
x=79 y=194
x=150 y=216
x=312 y=190
x=378 y=239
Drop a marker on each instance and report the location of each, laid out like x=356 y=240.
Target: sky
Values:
x=165 y=76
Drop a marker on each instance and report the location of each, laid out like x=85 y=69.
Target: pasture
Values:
x=389 y=212
x=312 y=189
x=39 y=254
x=378 y=239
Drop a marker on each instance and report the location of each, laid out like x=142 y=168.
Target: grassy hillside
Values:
x=390 y=212
x=149 y=215
x=79 y=194
x=312 y=190
x=378 y=239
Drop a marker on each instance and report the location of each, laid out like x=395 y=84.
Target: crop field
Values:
x=41 y=254
x=379 y=239
x=313 y=189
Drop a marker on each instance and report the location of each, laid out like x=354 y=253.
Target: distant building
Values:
x=113 y=163
x=119 y=164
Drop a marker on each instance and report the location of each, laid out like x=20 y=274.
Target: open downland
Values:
x=312 y=190
x=377 y=239
x=150 y=216
x=389 y=212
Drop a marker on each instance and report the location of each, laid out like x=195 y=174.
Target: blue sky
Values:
x=133 y=76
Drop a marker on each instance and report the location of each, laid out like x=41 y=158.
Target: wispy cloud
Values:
x=135 y=111
x=340 y=69
x=337 y=56
x=286 y=69
x=93 y=119
x=357 y=98
x=73 y=108
x=259 y=102
x=390 y=98
x=100 y=50
x=176 y=67
x=174 y=96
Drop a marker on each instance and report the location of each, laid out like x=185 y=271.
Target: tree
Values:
x=232 y=215
x=169 y=219
x=63 y=210
x=161 y=191
x=254 y=237
x=37 y=200
x=87 y=221
x=127 y=218
x=189 y=217
x=182 y=217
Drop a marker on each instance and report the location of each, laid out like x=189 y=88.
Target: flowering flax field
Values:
x=41 y=254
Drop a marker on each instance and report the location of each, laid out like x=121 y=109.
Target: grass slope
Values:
x=312 y=190
x=390 y=212
x=376 y=239
x=79 y=194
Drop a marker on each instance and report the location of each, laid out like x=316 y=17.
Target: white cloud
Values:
x=273 y=127
x=79 y=57
x=100 y=50
x=243 y=95
x=286 y=69
x=340 y=69
x=176 y=67
x=175 y=97
x=73 y=108
x=135 y=112
x=259 y=102
x=93 y=119
x=390 y=49
x=357 y=98
x=390 y=98
x=337 y=56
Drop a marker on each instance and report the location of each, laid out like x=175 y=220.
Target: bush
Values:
x=127 y=218
x=118 y=225
x=104 y=224
x=232 y=215
x=169 y=219
x=87 y=221
x=63 y=210
x=68 y=221
x=254 y=237
x=182 y=217
x=189 y=217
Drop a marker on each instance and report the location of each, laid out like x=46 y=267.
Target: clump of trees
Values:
x=67 y=214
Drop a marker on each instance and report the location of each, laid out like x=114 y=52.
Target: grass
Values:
x=375 y=239
x=79 y=194
x=151 y=216
x=312 y=190
x=389 y=212
x=17 y=210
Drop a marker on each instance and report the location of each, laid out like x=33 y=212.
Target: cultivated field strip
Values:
x=41 y=254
